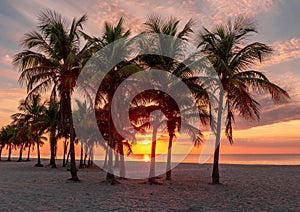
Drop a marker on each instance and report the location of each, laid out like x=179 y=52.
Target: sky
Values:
x=278 y=24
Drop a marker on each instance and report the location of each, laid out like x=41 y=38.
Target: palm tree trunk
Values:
x=38 y=151
x=28 y=153
x=169 y=171
x=1 y=151
x=65 y=152
x=117 y=160
x=110 y=177
x=84 y=160
x=105 y=160
x=215 y=173
x=52 y=148
x=81 y=158
x=69 y=128
x=151 y=178
x=9 y=153
x=20 y=153
x=72 y=155
x=122 y=161
x=68 y=156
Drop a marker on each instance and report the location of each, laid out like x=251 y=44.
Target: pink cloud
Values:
x=6 y=60
x=220 y=9
x=284 y=51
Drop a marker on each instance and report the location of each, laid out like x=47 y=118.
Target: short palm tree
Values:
x=52 y=59
x=30 y=114
x=6 y=136
x=49 y=121
x=233 y=57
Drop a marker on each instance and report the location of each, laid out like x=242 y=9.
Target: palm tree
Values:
x=233 y=57
x=174 y=47
x=30 y=114
x=7 y=134
x=112 y=80
x=81 y=117
x=53 y=58
x=49 y=122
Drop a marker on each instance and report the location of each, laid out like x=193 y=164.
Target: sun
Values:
x=146 y=158
x=146 y=142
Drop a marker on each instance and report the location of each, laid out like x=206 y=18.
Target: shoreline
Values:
x=14 y=159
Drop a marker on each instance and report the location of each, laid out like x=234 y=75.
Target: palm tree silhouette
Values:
x=53 y=59
x=30 y=114
x=233 y=57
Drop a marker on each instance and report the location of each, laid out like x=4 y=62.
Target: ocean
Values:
x=250 y=159
x=243 y=159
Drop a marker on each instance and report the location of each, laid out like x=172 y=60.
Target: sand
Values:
x=245 y=187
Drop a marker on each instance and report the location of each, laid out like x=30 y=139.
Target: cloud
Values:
x=6 y=60
x=221 y=9
x=284 y=51
x=207 y=13
x=271 y=114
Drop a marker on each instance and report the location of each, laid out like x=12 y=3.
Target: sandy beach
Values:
x=245 y=187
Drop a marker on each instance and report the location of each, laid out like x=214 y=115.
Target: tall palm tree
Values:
x=232 y=56
x=175 y=48
x=112 y=80
x=52 y=59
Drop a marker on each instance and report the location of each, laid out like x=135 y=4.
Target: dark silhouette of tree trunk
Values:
x=52 y=148
x=1 y=147
x=9 y=153
x=215 y=173
x=72 y=156
x=28 y=153
x=122 y=161
x=84 y=161
x=110 y=177
x=67 y=160
x=105 y=160
x=39 y=164
x=117 y=160
x=151 y=178
x=89 y=162
x=81 y=158
x=20 y=153
x=65 y=152
x=169 y=171
x=67 y=122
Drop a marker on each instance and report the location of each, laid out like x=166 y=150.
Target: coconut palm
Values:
x=232 y=56
x=173 y=45
x=30 y=115
x=49 y=121
x=110 y=83
x=7 y=134
x=52 y=59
